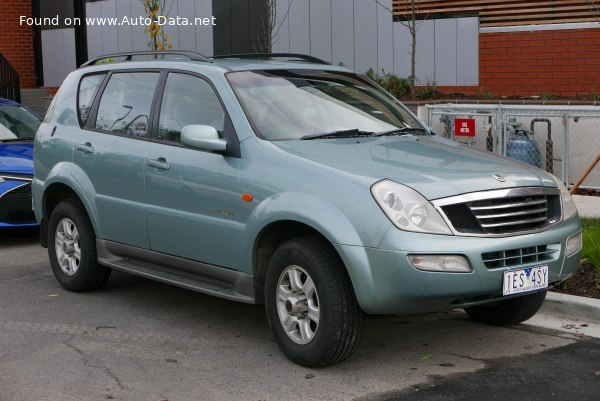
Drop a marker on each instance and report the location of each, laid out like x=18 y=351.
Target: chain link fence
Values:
x=561 y=140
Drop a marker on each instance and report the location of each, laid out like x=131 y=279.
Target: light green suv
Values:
x=283 y=180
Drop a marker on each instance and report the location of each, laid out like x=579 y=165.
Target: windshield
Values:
x=16 y=123
x=300 y=104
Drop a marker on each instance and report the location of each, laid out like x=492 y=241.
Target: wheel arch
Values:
x=270 y=238
x=63 y=184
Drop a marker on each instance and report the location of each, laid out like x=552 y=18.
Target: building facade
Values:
x=503 y=48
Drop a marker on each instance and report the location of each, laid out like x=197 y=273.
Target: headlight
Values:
x=407 y=209
x=568 y=205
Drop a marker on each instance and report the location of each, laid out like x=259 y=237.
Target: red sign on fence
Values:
x=464 y=127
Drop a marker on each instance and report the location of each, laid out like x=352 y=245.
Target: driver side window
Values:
x=188 y=100
x=126 y=102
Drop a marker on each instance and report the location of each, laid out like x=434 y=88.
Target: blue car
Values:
x=18 y=126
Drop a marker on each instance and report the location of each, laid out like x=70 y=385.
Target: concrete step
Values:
x=37 y=99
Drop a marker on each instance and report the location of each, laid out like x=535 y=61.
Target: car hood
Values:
x=433 y=166
x=16 y=158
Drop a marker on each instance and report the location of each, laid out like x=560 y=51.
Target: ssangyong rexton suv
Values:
x=294 y=183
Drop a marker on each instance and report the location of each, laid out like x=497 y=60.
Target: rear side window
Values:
x=88 y=87
x=126 y=102
x=188 y=100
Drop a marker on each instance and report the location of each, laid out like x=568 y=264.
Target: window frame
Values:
x=94 y=96
x=229 y=133
x=92 y=117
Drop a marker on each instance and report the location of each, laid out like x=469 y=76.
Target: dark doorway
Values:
x=240 y=28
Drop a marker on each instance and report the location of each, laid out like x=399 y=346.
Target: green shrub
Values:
x=395 y=85
x=591 y=241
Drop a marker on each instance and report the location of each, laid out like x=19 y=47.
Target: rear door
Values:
x=111 y=150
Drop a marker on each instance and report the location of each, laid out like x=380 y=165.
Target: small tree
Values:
x=409 y=20
x=158 y=39
x=270 y=25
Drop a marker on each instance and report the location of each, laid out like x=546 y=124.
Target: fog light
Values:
x=574 y=244
x=440 y=263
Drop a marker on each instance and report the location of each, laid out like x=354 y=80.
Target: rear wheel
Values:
x=511 y=311
x=310 y=304
x=72 y=248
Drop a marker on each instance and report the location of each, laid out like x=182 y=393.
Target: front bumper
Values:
x=15 y=204
x=386 y=283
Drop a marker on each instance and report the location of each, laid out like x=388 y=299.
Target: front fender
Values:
x=321 y=215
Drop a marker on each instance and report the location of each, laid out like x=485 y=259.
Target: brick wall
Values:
x=16 y=41
x=540 y=63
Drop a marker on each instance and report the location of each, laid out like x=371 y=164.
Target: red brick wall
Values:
x=16 y=41
x=551 y=63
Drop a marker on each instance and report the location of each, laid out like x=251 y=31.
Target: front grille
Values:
x=521 y=256
x=15 y=206
x=512 y=214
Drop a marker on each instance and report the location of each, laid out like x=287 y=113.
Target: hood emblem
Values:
x=499 y=177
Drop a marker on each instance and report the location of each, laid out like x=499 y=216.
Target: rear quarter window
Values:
x=88 y=87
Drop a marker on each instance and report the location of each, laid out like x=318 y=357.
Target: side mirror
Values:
x=202 y=137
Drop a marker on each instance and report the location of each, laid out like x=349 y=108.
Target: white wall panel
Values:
x=365 y=35
x=385 y=36
x=58 y=53
x=124 y=32
x=281 y=43
x=204 y=34
x=360 y=34
x=342 y=21
x=139 y=38
x=320 y=29
x=445 y=51
x=300 y=26
x=187 y=34
x=401 y=50
x=467 y=50
x=425 y=52
x=94 y=32
x=110 y=39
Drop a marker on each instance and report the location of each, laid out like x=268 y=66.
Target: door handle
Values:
x=160 y=163
x=85 y=148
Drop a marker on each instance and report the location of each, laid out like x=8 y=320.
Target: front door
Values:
x=192 y=196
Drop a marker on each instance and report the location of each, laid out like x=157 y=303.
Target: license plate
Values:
x=525 y=280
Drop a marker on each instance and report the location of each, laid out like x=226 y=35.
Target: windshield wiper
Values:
x=401 y=131
x=27 y=138
x=347 y=133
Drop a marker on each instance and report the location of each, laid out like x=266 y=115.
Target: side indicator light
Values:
x=247 y=197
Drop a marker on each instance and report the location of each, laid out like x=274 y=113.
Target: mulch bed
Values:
x=584 y=283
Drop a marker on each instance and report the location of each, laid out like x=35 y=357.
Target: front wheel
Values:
x=510 y=311
x=310 y=304
x=72 y=248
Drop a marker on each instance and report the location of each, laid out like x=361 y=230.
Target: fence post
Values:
x=565 y=170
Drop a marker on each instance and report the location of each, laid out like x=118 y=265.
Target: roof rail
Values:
x=129 y=55
x=291 y=56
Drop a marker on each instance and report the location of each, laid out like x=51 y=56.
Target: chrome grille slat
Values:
x=502 y=212
x=514 y=223
x=523 y=213
x=509 y=205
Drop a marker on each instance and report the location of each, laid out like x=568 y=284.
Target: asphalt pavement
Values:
x=566 y=373
x=141 y=340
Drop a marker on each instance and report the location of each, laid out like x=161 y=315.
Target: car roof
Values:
x=234 y=62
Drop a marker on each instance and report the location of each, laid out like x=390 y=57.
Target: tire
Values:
x=72 y=248
x=307 y=287
x=511 y=311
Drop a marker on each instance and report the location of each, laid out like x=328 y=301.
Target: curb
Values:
x=572 y=307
